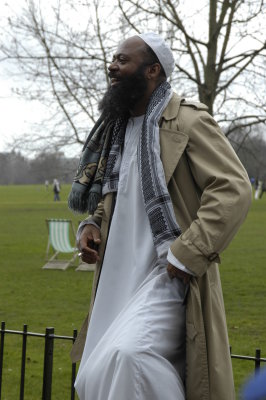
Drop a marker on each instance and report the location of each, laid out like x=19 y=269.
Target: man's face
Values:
x=128 y=79
x=127 y=60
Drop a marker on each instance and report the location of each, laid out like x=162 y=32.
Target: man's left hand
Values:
x=174 y=272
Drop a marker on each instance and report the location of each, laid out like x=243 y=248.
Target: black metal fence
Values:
x=49 y=338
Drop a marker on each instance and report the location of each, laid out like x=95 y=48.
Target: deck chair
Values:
x=85 y=267
x=59 y=241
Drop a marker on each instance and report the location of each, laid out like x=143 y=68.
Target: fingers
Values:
x=96 y=235
x=90 y=234
x=186 y=279
x=88 y=244
x=89 y=258
x=89 y=255
x=174 y=272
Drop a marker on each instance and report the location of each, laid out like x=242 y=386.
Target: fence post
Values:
x=73 y=374
x=257 y=360
x=3 y=326
x=48 y=364
x=23 y=362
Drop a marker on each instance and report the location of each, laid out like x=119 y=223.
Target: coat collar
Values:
x=172 y=108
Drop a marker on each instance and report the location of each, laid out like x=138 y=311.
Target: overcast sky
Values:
x=17 y=114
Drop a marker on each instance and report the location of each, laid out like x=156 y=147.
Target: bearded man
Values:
x=166 y=194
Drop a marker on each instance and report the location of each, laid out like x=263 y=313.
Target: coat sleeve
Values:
x=225 y=188
x=96 y=217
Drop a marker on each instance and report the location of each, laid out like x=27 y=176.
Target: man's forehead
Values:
x=132 y=45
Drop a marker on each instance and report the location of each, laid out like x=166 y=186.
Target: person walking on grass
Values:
x=56 y=190
x=166 y=193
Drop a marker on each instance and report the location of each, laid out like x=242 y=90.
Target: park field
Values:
x=41 y=298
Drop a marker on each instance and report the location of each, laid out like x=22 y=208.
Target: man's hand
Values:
x=88 y=243
x=174 y=272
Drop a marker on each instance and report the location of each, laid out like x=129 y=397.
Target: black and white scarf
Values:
x=105 y=174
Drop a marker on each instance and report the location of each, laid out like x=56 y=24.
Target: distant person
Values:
x=256 y=184
x=263 y=189
x=258 y=190
x=46 y=184
x=56 y=190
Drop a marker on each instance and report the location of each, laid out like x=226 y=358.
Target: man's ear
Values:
x=154 y=71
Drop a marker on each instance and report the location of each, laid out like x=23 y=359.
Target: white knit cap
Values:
x=161 y=49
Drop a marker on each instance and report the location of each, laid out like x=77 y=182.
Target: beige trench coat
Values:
x=211 y=194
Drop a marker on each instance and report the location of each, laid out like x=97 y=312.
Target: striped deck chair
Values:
x=59 y=241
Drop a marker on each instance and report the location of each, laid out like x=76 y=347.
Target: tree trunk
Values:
x=208 y=89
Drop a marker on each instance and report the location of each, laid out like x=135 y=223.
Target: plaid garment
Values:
x=156 y=197
x=98 y=171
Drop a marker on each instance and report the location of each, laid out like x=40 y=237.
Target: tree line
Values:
x=251 y=150
x=17 y=169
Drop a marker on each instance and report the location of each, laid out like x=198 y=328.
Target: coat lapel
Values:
x=172 y=141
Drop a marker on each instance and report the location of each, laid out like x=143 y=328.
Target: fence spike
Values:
x=3 y=327
x=23 y=361
x=257 y=360
x=48 y=364
x=74 y=366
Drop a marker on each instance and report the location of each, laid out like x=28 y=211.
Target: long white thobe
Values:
x=135 y=342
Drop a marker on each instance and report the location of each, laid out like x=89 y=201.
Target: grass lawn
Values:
x=41 y=298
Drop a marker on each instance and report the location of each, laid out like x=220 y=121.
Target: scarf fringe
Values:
x=78 y=202
x=81 y=202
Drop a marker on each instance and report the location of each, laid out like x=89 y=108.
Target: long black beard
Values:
x=122 y=97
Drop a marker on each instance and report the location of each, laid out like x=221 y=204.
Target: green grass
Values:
x=41 y=298
x=37 y=297
x=243 y=276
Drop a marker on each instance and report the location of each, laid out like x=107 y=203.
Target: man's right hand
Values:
x=88 y=243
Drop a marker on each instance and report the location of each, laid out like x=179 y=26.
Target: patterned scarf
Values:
x=98 y=171
x=86 y=191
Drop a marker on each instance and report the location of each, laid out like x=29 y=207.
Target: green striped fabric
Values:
x=59 y=236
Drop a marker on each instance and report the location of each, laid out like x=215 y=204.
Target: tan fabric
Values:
x=211 y=194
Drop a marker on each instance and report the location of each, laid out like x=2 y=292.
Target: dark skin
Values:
x=129 y=56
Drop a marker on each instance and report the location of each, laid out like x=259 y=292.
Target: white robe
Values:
x=135 y=342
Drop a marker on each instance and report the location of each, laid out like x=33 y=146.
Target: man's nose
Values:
x=113 y=66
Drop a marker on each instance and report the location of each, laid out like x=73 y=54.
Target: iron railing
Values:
x=49 y=338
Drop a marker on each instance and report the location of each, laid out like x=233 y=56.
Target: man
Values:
x=167 y=194
x=56 y=190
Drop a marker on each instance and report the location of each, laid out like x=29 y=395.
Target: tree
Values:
x=14 y=168
x=218 y=46
x=251 y=150
x=17 y=169
x=61 y=64
x=219 y=52
x=48 y=166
